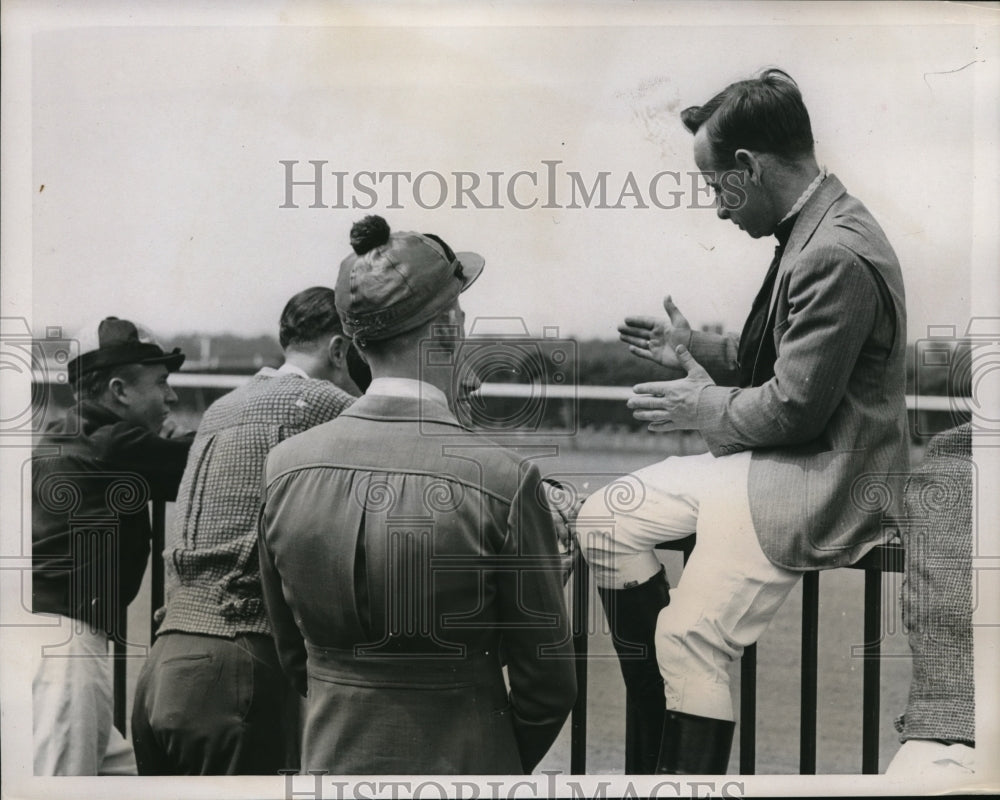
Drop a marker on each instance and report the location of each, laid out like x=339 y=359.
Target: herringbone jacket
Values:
x=828 y=431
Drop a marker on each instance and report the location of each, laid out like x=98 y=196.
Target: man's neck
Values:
x=792 y=182
x=307 y=362
x=410 y=368
x=406 y=387
x=102 y=408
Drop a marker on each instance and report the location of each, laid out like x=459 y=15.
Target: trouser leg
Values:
x=209 y=705
x=726 y=598
x=618 y=527
x=273 y=722
x=150 y=756
x=727 y=595
x=72 y=706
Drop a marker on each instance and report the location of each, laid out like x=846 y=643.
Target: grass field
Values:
x=840 y=628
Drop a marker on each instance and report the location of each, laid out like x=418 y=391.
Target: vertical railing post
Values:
x=810 y=668
x=581 y=607
x=748 y=711
x=120 y=657
x=119 y=679
x=872 y=671
x=156 y=565
x=885 y=558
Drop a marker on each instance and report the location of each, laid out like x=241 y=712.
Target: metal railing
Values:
x=883 y=558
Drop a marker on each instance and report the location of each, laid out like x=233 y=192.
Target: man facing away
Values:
x=93 y=474
x=404 y=558
x=803 y=413
x=211 y=699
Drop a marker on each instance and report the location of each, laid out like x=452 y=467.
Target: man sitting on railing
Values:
x=802 y=413
x=212 y=699
x=92 y=477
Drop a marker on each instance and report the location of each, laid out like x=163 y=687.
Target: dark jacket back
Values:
x=90 y=528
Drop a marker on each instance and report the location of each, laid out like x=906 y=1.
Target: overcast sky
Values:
x=159 y=149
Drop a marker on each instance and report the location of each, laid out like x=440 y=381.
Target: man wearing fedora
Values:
x=212 y=698
x=803 y=413
x=92 y=476
x=406 y=559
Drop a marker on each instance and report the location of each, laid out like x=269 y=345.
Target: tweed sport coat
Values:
x=404 y=559
x=829 y=431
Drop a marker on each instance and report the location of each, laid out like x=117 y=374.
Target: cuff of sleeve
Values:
x=712 y=400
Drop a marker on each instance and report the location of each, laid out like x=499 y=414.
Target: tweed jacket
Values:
x=92 y=476
x=828 y=432
x=937 y=592
x=210 y=558
x=404 y=560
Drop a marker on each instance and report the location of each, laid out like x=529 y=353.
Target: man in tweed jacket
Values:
x=803 y=413
x=212 y=698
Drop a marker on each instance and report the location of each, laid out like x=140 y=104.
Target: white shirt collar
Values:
x=812 y=187
x=406 y=387
x=284 y=369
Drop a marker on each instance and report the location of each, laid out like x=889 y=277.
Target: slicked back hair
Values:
x=763 y=114
x=308 y=316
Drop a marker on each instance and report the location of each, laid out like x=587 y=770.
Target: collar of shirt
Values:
x=407 y=387
x=284 y=369
x=784 y=229
x=812 y=187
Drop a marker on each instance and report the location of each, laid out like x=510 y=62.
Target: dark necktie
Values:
x=756 y=351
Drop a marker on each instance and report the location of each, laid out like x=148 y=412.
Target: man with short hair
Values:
x=212 y=699
x=92 y=476
x=804 y=415
x=406 y=559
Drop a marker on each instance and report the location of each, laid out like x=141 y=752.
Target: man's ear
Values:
x=748 y=161
x=118 y=389
x=336 y=349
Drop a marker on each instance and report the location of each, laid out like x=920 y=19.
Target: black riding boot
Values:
x=693 y=745
x=632 y=617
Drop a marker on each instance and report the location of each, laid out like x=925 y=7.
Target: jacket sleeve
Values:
x=159 y=460
x=287 y=637
x=717 y=353
x=833 y=301
x=536 y=639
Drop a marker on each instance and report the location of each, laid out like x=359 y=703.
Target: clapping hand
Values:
x=656 y=339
